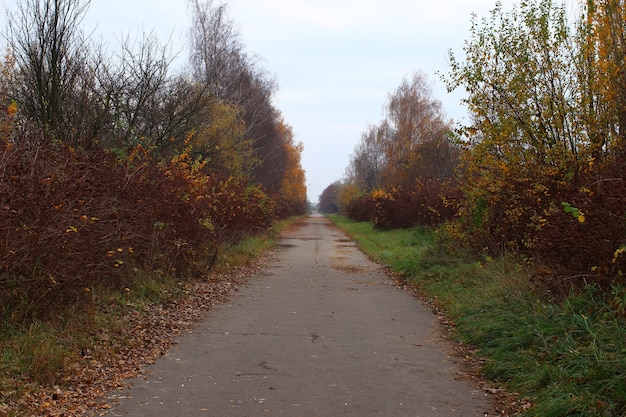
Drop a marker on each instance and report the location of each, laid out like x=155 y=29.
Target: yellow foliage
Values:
x=12 y=109
x=221 y=141
x=380 y=194
x=346 y=194
x=293 y=184
x=619 y=251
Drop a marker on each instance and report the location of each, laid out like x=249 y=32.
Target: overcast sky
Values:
x=335 y=61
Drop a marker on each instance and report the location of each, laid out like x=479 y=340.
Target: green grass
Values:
x=567 y=358
x=400 y=249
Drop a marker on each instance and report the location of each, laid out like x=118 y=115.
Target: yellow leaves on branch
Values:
x=618 y=252
x=12 y=109
x=6 y=126
x=293 y=185
x=7 y=68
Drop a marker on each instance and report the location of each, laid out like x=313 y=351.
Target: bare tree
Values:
x=417 y=143
x=52 y=62
x=368 y=162
x=216 y=52
x=136 y=87
x=218 y=61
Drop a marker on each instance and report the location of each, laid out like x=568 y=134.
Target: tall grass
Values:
x=567 y=357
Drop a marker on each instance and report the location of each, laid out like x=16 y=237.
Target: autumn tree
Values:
x=219 y=62
x=545 y=123
x=292 y=195
x=328 y=198
x=522 y=97
x=52 y=62
x=218 y=59
x=416 y=143
x=402 y=169
x=219 y=138
x=603 y=61
x=410 y=144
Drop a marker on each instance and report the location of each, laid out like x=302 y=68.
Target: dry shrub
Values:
x=361 y=208
x=434 y=201
x=583 y=240
x=426 y=203
x=73 y=220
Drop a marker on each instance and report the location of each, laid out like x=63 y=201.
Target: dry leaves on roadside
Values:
x=116 y=358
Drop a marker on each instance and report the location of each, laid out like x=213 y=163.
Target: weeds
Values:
x=38 y=353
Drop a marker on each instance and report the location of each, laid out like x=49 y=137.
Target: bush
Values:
x=584 y=234
x=361 y=208
x=73 y=220
x=427 y=203
x=572 y=225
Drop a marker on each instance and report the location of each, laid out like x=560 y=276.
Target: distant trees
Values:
x=328 y=198
x=401 y=169
x=368 y=162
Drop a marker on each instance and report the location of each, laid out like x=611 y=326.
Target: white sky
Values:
x=335 y=60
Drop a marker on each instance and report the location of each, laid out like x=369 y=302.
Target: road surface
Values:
x=321 y=332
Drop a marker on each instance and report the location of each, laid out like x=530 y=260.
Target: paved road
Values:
x=320 y=332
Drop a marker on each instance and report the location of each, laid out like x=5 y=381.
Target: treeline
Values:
x=401 y=167
x=112 y=164
x=539 y=170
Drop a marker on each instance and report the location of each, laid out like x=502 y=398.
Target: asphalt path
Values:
x=321 y=331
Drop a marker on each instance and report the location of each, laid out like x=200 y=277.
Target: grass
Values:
x=567 y=358
x=400 y=249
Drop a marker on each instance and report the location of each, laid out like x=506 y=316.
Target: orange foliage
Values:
x=7 y=117
x=292 y=197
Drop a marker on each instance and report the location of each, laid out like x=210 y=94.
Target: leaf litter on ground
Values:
x=108 y=365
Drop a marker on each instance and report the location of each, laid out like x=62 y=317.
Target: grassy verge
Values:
x=40 y=360
x=566 y=358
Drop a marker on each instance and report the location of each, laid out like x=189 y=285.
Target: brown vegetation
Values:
x=112 y=167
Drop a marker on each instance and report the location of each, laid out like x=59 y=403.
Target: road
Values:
x=321 y=331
